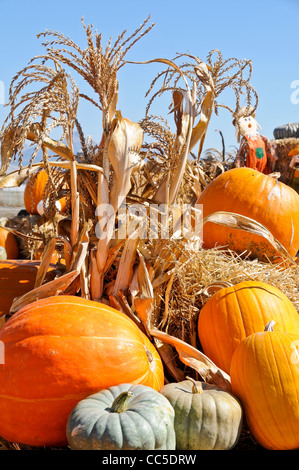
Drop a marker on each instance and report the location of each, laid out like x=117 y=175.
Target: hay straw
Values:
x=197 y=278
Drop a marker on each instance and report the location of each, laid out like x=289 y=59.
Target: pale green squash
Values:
x=206 y=417
x=123 y=417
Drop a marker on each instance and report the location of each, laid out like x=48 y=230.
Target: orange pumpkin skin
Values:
x=55 y=258
x=250 y=193
x=265 y=377
x=17 y=277
x=233 y=313
x=9 y=243
x=60 y=350
x=34 y=191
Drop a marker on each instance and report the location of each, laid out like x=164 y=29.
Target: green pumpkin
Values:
x=290 y=130
x=123 y=417
x=206 y=417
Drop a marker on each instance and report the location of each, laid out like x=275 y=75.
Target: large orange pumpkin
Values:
x=250 y=193
x=235 y=312
x=59 y=350
x=34 y=191
x=17 y=277
x=265 y=377
x=9 y=242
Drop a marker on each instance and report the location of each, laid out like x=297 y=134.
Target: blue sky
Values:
x=265 y=31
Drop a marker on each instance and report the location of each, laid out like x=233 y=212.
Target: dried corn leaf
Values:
x=247 y=224
x=125 y=142
x=17 y=177
x=34 y=134
x=127 y=260
x=207 y=107
x=195 y=359
x=7 y=151
x=55 y=287
x=45 y=262
x=184 y=118
x=167 y=355
x=96 y=280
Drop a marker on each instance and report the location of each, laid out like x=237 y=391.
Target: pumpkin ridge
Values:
x=240 y=316
x=249 y=402
x=43 y=399
x=211 y=398
x=261 y=382
x=66 y=302
x=270 y=339
x=219 y=343
x=143 y=422
x=281 y=381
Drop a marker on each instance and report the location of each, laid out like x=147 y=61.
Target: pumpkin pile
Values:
x=140 y=289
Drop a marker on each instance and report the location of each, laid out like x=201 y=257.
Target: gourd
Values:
x=287 y=131
x=260 y=197
x=9 y=242
x=34 y=190
x=206 y=417
x=123 y=417
x=235 y=312
x=265 y=377
x=58 y=351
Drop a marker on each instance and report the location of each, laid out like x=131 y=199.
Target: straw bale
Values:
x=282 y=149
x=207 y=270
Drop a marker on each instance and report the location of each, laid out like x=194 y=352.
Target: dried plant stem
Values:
x=75 y=204
x=105 y=235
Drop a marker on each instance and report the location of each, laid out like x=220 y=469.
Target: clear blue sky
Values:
x=265 y=31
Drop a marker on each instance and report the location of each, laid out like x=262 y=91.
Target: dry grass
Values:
x=204 y=270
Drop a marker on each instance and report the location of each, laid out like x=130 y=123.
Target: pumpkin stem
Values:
x=197 y=387
x=270 y=326
x=120 y=403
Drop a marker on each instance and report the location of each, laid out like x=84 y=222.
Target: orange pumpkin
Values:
x=62 y=205
x=233 y=313
x=262 y=198
x=34 y=191
x=59 y=350
x=265 y=377
x=9 y=242
x=56 y=256
x=17 y=277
